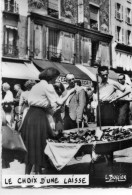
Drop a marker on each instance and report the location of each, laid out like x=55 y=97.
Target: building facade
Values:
x=15 y=60
x=121 y=29
x=15 y=29
x=72 y=31
x=60 y=33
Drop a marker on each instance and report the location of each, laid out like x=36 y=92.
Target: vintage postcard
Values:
x=66 y=94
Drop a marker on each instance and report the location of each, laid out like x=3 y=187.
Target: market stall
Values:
x=87 y=141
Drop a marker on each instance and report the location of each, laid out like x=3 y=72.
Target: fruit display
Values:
x=86 y=136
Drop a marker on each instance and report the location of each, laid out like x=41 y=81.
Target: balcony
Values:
x=54 y=54
x=11 y=7
x=10 y=51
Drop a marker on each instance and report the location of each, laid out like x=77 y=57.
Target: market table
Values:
x=61 y=153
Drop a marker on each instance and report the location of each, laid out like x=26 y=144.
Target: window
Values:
x=37 y=41
x=128 y=15
x=53 y=8
x=94 y=17
x=86 y=50
x=118 y=34
x=128 y=38
x=118 y=11
x=11 y=6
x=10 y=42
x=54 y=45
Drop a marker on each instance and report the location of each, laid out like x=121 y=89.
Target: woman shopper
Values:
x=7 y=103
x=38 y=124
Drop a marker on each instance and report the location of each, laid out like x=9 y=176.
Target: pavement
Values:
x=122 y=165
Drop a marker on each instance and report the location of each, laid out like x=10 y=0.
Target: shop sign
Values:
x=86 y=83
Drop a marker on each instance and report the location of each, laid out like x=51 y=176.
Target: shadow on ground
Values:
x=99 y=172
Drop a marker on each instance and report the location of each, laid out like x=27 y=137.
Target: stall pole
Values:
x=99 y=111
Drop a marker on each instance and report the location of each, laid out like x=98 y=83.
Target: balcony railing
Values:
x=11 y=7
x=10 y=50
x=54 y=54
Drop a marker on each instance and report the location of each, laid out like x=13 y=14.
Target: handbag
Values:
x=7 y=107
x=12 y=139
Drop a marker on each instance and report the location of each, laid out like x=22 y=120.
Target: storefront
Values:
x=17 y=72
x=92 y=73
x=64 y=69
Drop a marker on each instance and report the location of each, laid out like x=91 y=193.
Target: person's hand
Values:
x=52 y=125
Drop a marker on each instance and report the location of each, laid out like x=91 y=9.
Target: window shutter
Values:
x=116 y=34
x=77 y=47
x=122 y=12
x=80 y=11
x=98 y=54
x=126 y=15
x=5 y=35
x=131 y=17
x=115 y=10
x=15 y=37
x=38 y=41
x=105 y=56
x=122 y=35
x=131 y=39
x=44 y=37
x=126 y=39
x=85 y=49
x=67 y=47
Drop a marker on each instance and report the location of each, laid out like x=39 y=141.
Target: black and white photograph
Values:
x=66 y=94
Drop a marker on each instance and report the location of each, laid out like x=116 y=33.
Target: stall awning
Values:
x=64 y=68
x=92 y=71
x=42 y=64
x=19 y=70
x=74 y=70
